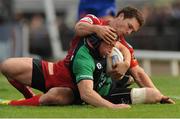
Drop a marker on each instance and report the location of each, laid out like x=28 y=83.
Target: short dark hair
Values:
x=131 y=12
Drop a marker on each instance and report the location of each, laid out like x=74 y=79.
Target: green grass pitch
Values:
x=168 y=85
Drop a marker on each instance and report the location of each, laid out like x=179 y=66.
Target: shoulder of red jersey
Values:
x=92 y=19
x=124 y=42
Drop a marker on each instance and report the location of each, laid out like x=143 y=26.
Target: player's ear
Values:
x=121 y=16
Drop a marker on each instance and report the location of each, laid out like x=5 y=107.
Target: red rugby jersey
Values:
x=91 y=19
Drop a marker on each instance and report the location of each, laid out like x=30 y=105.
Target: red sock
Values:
x=34 y=101
x=27 y=92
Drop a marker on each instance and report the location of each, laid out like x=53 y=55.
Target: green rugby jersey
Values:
x=85 y=65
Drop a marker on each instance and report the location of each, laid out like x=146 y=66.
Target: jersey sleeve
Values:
x=134 y=61
x=83 y=66
x=91 y=19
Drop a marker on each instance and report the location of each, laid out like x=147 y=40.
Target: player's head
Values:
x=131 y=12
x=128 y=20
x=100 y=47
x=105 y=49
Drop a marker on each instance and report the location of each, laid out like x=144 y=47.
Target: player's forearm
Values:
x=90 y=96
x=145 y=81
x=83 y=29
x=96 y=100
x=142 y=78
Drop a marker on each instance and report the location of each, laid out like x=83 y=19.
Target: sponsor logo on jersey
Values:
x=99 y=66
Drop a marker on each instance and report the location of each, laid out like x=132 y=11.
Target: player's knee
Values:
x=64 y=96
x=6 y=66
x=47 y=100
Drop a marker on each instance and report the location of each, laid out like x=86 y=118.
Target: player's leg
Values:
x=18 y=71
x=55 y=96
x=25 y=90
x=57 y=83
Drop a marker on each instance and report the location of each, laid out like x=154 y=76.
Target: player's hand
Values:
x=167 y=100
x=118 y=70
x=107 y=33
x=121 y=106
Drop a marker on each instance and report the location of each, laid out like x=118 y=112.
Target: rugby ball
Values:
x=114 y=57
